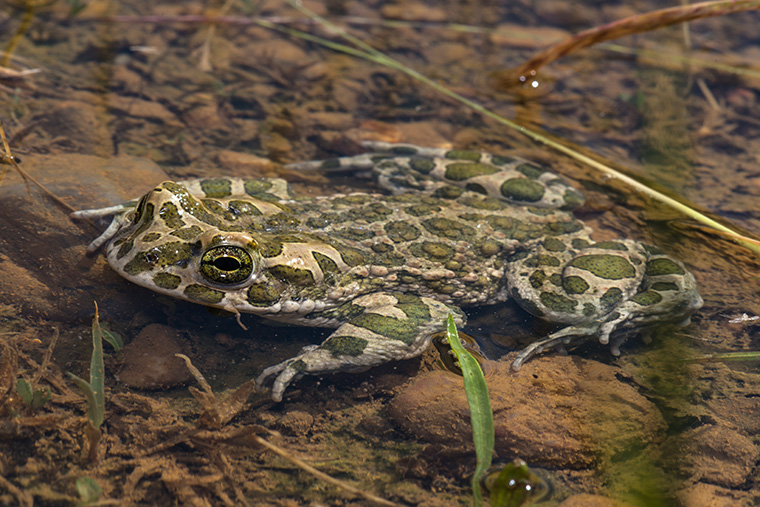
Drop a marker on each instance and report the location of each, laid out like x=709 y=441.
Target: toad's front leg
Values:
x=378 y=328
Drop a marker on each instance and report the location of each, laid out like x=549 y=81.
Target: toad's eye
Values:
x=226 y=265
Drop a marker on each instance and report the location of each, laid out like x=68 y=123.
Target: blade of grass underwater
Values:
x=481 y=414
x=725 y=357
x=369 y=53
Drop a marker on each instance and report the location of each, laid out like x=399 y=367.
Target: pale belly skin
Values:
x=456 y=229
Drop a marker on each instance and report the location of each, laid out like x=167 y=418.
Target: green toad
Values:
x=458 y=229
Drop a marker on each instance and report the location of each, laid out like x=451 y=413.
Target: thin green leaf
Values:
x=89 y=490
x=112 y=338
x=89 y=393
x=97 y=371
x=24 y=389
x=725 y=357
x=481 y=414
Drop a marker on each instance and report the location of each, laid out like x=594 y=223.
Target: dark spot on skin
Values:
x=216 y=187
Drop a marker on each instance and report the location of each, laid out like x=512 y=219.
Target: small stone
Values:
x=296 y=422
x=719 y=455
x=414 y=12
x=245 y=163
x=594 y=414
x=149 y=361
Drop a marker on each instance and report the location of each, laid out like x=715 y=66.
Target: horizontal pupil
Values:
x=226 y=264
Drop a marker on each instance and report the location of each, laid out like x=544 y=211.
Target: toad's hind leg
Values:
x=378 y=328
x=598 y=288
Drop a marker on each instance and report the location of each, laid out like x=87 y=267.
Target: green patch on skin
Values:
x=476 y=187
x=319 y=222
x=168 y=254
x=256 y=187
x=556 y=280
x=489 y=248
x=372 y=212
x=589 y=309
x=522 y=189
x=299 y=365
x=403 y=150
x=216 y=187
x=243 y=208
x=485 y=203
x=150 y=237
x=294 y=276
x=433 y=251
x=422 y=165
x=167 y=281
x=269 y=247
x=263 y=294
x=504 y=224
x=282 y=221
x=216 y=208
x=501 y=160
x=607 y=266
x=143 y=217
x=451 y=229
x=557 y=303
x=419 y=210
x=203 y=294
x=170 y=215
x=343 y=345
x=353 y=199
x=572 y=199
x=400 y=232
x=326 y=264
x=355 y=234
x=530 y=171
x=194 y=207
x=528 y=305
x=664 y=286
x=389 y=327
x=460 y=171
x=610 y=245
x=574 y=285
x=554 y=245
x=404 y=330
x=611 y=298
x=663 y=266
x=542 y=260
x=350 y=256
x=537 y=278
x=462 y=155
x=647 y=298
x=580 y=244
x=448 y=192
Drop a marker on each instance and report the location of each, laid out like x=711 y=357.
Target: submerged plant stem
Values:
x=627 y=26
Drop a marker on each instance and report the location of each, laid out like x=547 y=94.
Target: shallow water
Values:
x=118 y=105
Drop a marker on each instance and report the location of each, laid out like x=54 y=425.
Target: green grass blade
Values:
x=89 y=393
x=24 y=390
x=97 y=371
x=725 y=357
x=481 y=414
